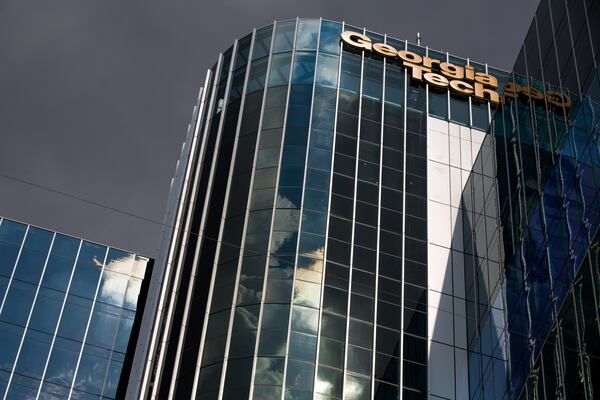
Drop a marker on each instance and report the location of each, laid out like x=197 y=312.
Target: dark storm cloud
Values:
x=95 y=96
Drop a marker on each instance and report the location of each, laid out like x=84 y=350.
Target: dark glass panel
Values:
x=351 y=66
x=360 y=333
x=388 y=341
x=262 y=42
x=280 y=69
x=394 y=84
x=329 y=382
x=237 y=379
x=359 y=360
x=299 y=375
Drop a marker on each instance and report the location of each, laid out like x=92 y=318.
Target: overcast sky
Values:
x=96 y=95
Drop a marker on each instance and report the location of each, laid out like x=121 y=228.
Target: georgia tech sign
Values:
x=463 y=80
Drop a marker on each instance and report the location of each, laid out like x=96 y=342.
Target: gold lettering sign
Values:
x=459 y=79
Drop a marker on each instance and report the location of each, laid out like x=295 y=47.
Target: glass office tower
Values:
x=69 y=315
x=312 y=252
x=534 y=333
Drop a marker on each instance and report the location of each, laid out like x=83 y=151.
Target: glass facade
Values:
x=533 y=324
x=312 y=254
x=69 y=313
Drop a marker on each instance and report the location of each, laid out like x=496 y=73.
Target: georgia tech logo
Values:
x=463 y=80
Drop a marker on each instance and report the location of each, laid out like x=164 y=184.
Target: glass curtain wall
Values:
x=307 y=243
x=67 y=314
x=546 y=151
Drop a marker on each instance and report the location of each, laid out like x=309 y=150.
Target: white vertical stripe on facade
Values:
x=174 y=241
x=14 y=268
x=283 y=135
x=37 y=290
x=339 y=73
x=62 y=308
x=182 y=252
x=314 y=85
x=209 y=191
x=376 y=295
x=346 y=344
x=224 y=217
x=114 y=341
x=403 y=230
x=248 y=208
x=87 y=325
x=170 y=302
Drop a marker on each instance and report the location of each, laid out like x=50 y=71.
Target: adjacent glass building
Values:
x=316 y=248
x=69 y=315
x=533 y=330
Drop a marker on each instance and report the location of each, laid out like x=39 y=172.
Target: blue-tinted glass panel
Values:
x=124 y=331
x=372 y=78
x=119 y=261
x=11 y=236
x=30 y=266
x=304 y=68
x=74 y=318
x=103 y=326
x=87 y=271
x=438 y=102
x=350 y=79
x=92 y=370
x=35 y=250
x=327 y=70
x=394 y=84
x=61 y=262
x=18 y=303
x=38 y=240
x=46 y=310
x=34 y=352
x=308 y=33
x=58 y=272
x=3 y=285
x=280 y=69
x=479 y=112
x=112 y=378
x=12 y=232
x=329 y=41
x=10 y=337
x=284 y=36
x=53 y=391
x=62 y=361
x=459 y=109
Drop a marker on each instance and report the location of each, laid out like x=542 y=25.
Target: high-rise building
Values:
x=535 y=332
x=69 y=314
x=316 y=248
